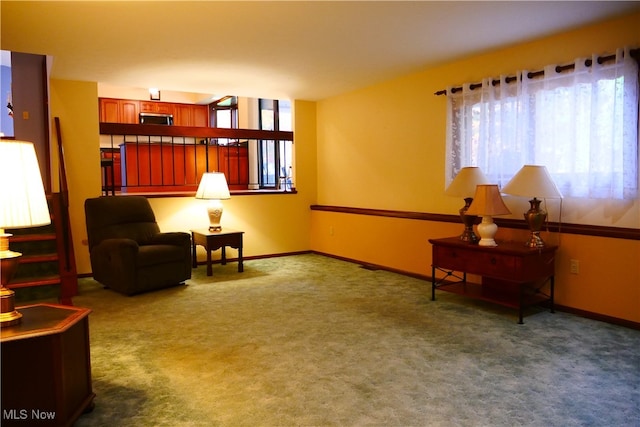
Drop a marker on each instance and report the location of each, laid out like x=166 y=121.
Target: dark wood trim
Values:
x=599 y=317
x=192 y=131
x=581 y=229
x=374 y=267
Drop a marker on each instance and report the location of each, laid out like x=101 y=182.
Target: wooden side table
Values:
x=213 y=240
x=46 y=368
x=513 y=275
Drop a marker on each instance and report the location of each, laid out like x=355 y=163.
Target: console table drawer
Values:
x=452 y=258
x=474 y=262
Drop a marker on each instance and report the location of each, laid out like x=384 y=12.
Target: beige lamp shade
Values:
x=22 y=196
x=488 y=202
x=465 y=182
x=532 y=181
x=213 y=186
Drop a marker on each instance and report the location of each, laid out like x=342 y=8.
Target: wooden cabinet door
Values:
x=234 y=162
x=201 y=115
x=156 y=107
x=109 y=110
x=182 y=115
x=147 y=107
x=129 y=110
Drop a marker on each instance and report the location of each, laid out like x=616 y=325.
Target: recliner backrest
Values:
x=128 y=217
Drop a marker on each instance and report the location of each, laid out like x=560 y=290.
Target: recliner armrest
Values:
x=175 y=238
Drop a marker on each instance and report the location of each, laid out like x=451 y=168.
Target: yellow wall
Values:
x=76 y=104
x=383 y=147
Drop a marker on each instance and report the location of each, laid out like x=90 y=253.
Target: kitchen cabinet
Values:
x=157 y=107
x=114 y=110
x=183 y=115
x=119 y=110
x=201 y=115
x=191 y=115
x=146 y=167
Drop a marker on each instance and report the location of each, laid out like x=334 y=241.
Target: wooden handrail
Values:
x=64 y=199
x=192 y=131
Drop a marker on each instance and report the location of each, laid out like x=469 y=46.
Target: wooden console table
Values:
x=46 y=368
x=212 y=240
x=513 y=275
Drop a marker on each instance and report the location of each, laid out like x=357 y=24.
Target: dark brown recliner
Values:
x=128 y=252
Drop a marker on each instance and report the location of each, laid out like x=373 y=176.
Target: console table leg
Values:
x=521 y=303
x=433 y=283
x=551 y=294
x=209 y=262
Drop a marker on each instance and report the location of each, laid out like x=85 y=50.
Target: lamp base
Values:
x=215 y=214
x=468 y=220
x=8 y=265
x=535 y=218
x=535 y=241
x=9 y=315
x=487 y=229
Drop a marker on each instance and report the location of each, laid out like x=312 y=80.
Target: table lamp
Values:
x=464 y=185
x=23 y=204
x=213 y=186
x=533 y=180
x=487 y=203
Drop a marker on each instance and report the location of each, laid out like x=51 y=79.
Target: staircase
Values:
x=47 y=266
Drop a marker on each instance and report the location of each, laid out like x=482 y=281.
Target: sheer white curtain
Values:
x=582 y=125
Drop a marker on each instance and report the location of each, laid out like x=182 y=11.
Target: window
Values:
x=275 y=156
x=582 y=125
x=224 y=113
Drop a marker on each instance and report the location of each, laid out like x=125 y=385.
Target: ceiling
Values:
x=294 y=49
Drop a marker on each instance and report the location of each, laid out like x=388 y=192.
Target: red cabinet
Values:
x=178 y=167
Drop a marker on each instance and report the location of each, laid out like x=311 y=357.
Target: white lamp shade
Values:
x=465 y=182
x=487 y=202
x=22 y=196
x=532 y=181
x=213 y=186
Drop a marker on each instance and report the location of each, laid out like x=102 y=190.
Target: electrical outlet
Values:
x=575 y=266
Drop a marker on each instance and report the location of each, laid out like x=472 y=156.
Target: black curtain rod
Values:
x=635 y=53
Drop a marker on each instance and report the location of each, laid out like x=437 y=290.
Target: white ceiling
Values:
x=293 y=49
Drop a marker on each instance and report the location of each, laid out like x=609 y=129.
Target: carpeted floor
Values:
x=313 y=341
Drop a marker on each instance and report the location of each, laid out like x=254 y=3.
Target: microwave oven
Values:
x=156 y=119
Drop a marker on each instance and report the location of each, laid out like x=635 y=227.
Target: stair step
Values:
x=34 y=281
x=32 y=237
x=32 y=259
